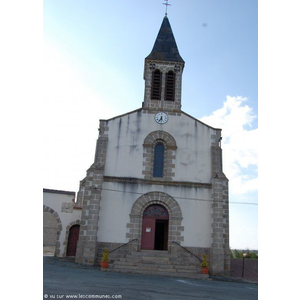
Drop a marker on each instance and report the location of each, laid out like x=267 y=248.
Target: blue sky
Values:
x=94 y=55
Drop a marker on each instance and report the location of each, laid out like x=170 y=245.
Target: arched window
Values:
x=159 y=156
x=158 y=166
x=170 y=86
x=156 y=85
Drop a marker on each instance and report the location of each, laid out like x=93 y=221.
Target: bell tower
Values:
x=163 y=72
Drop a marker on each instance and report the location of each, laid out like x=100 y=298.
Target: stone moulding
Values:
x=129 y=180
x=170 y=146
x=174 y=211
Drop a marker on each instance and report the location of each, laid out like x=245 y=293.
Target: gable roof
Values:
x=165 y=47
x=140 y=110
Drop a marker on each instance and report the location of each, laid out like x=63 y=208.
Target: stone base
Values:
x=159 y=263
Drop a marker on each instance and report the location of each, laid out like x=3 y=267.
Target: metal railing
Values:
x=187 y=250
x=122 y=245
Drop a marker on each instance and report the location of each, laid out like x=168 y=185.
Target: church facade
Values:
x=156 y=183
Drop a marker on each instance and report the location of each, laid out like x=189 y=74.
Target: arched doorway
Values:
x=72 y=240
x=155 y=228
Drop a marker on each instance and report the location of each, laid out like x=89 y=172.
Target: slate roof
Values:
x=165 y=48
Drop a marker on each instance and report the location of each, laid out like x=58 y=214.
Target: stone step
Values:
x=160 y=263
x=131 y=259
x=183 y=263
x=162 y=260
x=126 y=267
x=187 y=258
x=141 y=258
x=169 y=270
x=124 y=263
x=153 y=253
x=159 y=260
x=148 y=260
x=184 y=268
x=158 y=267
x=140 y=264
x=188 y=271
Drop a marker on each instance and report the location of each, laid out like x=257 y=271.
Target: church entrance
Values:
x=155 y=228
x=72 y=240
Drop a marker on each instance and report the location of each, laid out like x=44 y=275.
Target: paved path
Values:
x=63 y=280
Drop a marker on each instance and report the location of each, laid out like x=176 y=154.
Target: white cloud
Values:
x=239 y=143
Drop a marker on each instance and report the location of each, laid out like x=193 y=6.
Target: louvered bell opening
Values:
x=156 y=85
x=170 y=86
x=158 y=167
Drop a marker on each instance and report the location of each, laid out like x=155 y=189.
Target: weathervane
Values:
x=166 y=4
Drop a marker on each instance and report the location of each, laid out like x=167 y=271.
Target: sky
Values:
x=93 y=60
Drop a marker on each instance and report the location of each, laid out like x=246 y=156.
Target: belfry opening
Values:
x=155 y=228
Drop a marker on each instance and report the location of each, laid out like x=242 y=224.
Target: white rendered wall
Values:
x=127 y=135
x=116 y=206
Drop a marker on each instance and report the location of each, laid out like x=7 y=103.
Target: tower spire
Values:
x=166 y=4
x=163 y=72
x=165 y=47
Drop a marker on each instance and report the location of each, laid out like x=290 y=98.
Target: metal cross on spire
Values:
x=166 y=4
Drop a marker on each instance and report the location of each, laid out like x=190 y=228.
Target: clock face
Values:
x=161 y=118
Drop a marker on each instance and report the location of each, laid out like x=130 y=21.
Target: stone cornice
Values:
x=129 y=180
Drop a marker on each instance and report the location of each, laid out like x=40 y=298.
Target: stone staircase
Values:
x=162 y=263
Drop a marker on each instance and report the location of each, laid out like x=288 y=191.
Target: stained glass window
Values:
x=156 y=211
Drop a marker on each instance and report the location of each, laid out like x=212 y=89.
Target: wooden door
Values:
x=148 y=234
x=72 y=240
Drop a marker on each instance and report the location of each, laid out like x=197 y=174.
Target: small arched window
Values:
x=158 y=166
x=156 y=85
x=170 y=86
